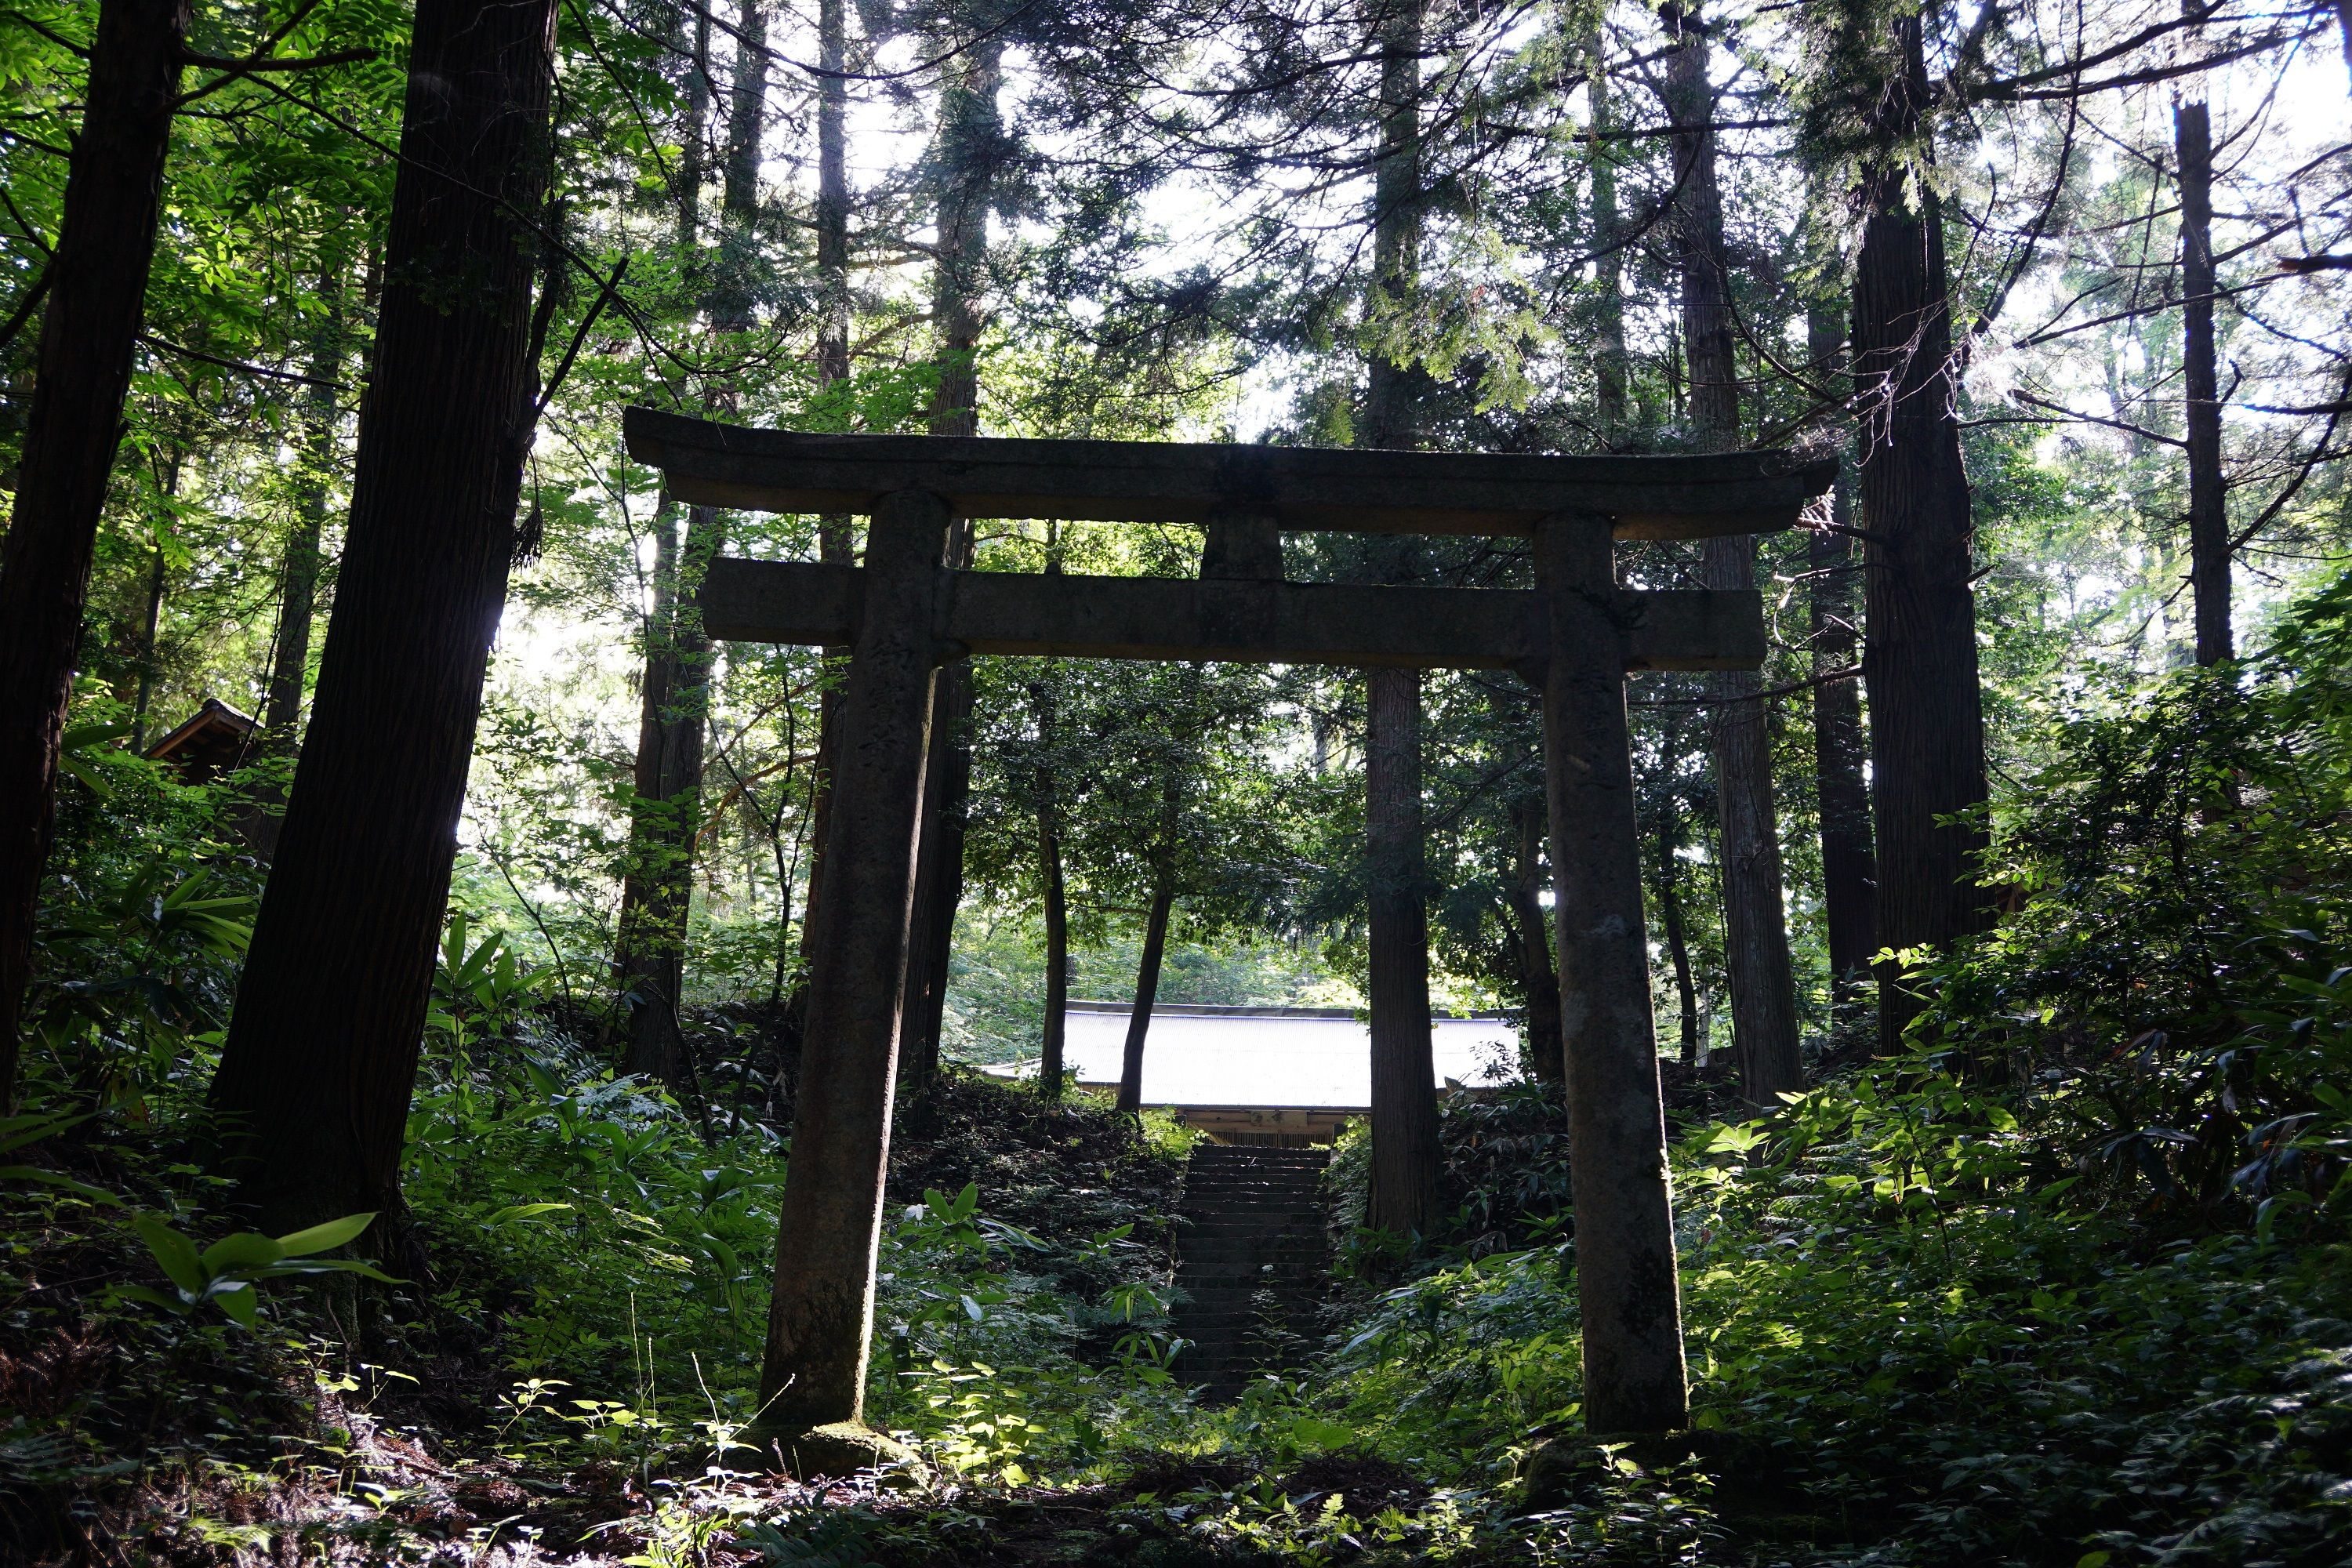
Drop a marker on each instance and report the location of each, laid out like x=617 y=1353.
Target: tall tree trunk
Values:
x=967 y=152
x=1404 y=1097
x=833 y=209
x=658 y=896
x=98 y=288
x=1403 y=1195
x=1927 y=724
x=1849 y=870
x=1670 y=915
x=321 y=1053
x=1756 y=932
x=1539 y=978
x=1391 y=415
x=664 y=808
x=1147 y=987
x=297 y=577
x=1056 y=898
x=834 y=531
x=970 y=130
x=2209 y=512
x=939 y=881
x=151 y=625
x=1608 y=367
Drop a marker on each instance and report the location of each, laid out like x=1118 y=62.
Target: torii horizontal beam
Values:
x=1236 y=622
x=1305 y=487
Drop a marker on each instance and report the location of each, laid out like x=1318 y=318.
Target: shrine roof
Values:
x=1199 y=1058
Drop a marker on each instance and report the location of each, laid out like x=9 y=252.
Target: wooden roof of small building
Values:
x=216 y=740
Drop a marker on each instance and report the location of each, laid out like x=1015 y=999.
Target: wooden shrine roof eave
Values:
x=1230 y=621
x=1340 y=490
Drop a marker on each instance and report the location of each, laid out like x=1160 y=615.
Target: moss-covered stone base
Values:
x=842 y=1448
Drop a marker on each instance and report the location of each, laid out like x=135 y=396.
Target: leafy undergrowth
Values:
x=2068 y=1282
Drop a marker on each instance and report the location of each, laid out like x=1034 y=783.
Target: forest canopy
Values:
x=412 y=993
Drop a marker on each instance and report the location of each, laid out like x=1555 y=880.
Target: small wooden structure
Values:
x=216 y=739
x=904 y=611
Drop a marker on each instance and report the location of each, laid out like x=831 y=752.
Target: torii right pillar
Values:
x=1627 y=1287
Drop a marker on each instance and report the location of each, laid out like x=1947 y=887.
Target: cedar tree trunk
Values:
x=1403 y=1195
x=1539 y=978
x=316 y=1076
x=968 y=151
x=833 y=376
x=1849 y=872
x=666 y=801
x=298 y=588
x=658 y=896
x=1670 y=914
x=98 y=289
x=1927 y=724
x=1147 y=986
x=1056 y=895
x=2208 y=513
x=1756 y=932
x=1609 y=375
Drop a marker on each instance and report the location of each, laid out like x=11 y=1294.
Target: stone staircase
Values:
x=1252 y=1261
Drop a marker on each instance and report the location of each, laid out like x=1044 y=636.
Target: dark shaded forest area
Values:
x=428 y=943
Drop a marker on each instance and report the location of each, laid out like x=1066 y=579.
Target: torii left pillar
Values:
x=1626 y=1285
x=821 y=1318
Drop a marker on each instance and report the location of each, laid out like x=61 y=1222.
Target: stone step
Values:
x=1257 y=1154
x=1230 y=1197
x=1305 y=1182
x=1252 y=1259
x=1272 y=1224
x=1253 y=1197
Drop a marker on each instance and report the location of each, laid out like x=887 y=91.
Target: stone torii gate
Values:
x=904 y=613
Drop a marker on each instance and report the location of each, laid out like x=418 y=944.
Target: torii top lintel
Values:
x=1346 y=491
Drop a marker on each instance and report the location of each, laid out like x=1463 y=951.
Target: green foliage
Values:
x=226 y=1273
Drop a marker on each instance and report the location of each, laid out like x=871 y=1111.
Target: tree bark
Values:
x=316 y=1077
x=1927 y=724
x=665 y=813
x=938 y=884
x=820 y=1316
x=970 y=134
x=833 y=203
x=1056 y=898
x=297 y=585
x=833 y=546
x=968 y=149
x=1670 y=912
x=90 y=329
x=151 y=625
x=1392 y=393
x=1756 y=932
x=657 y=894
x=1849 y=868
x=1539 y=980
x=1403 y=1196
x=1625 y=1280
x=1608 y=367
x=2209 y=511
x=1147 y=987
